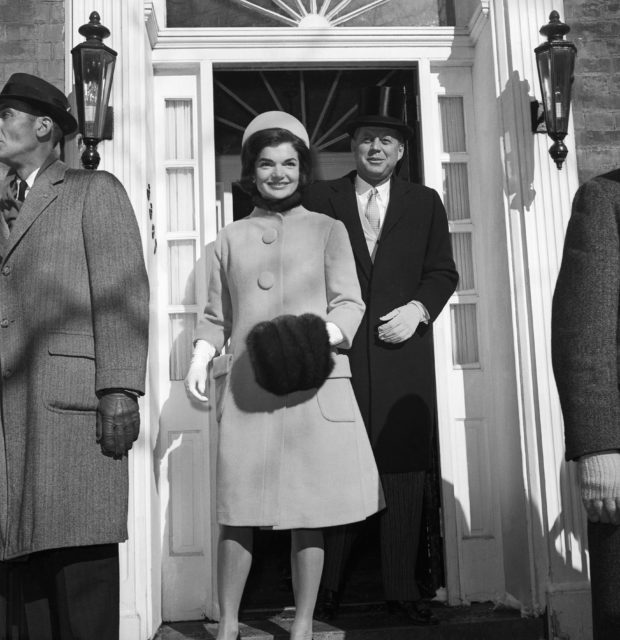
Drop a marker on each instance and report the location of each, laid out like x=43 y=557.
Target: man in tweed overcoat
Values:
x=73 y=346
x=586 y=363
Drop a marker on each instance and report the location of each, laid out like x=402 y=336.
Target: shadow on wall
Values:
x=519 y=159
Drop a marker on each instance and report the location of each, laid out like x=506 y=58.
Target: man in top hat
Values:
x=399 y=233
x=73 y=345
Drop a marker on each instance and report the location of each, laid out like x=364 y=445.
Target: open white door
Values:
x=478 y=420
x=186 y=442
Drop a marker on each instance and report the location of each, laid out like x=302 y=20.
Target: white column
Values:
x=537 y=200
x=127 y=156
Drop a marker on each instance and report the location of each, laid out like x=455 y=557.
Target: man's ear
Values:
x=44 y=127
x=401 y=150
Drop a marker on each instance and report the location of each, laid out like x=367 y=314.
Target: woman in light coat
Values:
x=302 y=460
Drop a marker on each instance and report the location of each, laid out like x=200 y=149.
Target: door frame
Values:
x=199 y=51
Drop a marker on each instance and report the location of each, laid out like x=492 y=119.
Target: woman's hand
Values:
x=196 y=379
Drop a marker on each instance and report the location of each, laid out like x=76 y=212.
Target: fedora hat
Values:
x=381 y=107
x=38 y=97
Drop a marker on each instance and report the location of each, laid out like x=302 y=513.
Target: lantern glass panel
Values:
x=563 y=60
x=97 y=72
x=555 y=69
x=543 y=60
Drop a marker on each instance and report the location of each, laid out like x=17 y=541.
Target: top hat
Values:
x=276 y=120
x=381 y=107
x=34 y=95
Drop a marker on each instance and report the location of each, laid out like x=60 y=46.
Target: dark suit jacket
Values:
x=73 y=321
x=585 y=324
x=395 y=384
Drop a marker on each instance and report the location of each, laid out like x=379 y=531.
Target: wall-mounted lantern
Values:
x=93 y=69
x=555 y=60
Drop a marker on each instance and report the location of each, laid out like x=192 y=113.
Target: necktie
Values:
x=372 y=211
x=12 y=202
x=21 y=190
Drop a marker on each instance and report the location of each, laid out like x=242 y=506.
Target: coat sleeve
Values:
x=345 y=307
x=584 y=323
x=216 y=323
x=439 y=274
x=118 y=284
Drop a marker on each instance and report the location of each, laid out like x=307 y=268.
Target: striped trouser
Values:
x=400 y=524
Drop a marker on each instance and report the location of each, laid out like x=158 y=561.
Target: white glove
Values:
x=334 y=333
x=599 y=476
x=401 y=323
x=196 y=379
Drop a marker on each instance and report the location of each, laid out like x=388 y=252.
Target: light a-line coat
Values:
x=73 y=321
x=301 y=460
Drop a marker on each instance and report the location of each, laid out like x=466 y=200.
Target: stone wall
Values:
x=595 y=25
x=32 y=39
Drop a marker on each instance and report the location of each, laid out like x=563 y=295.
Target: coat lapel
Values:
x=44 y=191
x=344 y=205
x=397 y=207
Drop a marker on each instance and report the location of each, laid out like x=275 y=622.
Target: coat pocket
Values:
x=221 y=375
x=335 y=396
x=69 y=374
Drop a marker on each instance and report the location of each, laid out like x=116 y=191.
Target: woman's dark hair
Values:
x=272 y=138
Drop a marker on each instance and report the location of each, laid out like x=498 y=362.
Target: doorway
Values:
x=324 y=100
x=197 y=163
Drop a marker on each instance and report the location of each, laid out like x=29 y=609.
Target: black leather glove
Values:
x=118 y=423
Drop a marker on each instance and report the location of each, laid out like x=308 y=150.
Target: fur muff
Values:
x=290 y=353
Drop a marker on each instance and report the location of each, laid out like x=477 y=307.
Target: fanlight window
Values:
x=318 y=13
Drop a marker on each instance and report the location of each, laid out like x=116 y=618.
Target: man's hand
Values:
x=196 y=378
x=118 y=423
x=599 y=476
x=400 y=324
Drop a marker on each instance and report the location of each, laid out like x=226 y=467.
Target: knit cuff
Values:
x=600 y=475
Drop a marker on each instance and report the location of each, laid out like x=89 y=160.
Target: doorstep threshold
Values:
x=480 y=621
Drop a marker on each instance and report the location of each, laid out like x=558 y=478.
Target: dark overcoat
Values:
x=395 y=384
x=73 y=321
x=585 y=321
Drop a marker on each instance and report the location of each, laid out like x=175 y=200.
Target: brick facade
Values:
x=32 y=39
x=595 y=25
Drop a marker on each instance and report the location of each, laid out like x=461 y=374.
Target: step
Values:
x=480 y=621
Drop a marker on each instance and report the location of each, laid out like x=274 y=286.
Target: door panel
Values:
x=184 y=447
x=472 y=385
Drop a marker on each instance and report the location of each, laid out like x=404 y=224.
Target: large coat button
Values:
x=270 y=235
x=6 y=270
x=4 y=323
x=266 y=280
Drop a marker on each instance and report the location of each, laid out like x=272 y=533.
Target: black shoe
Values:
x=328 y=605
x=415 y=611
